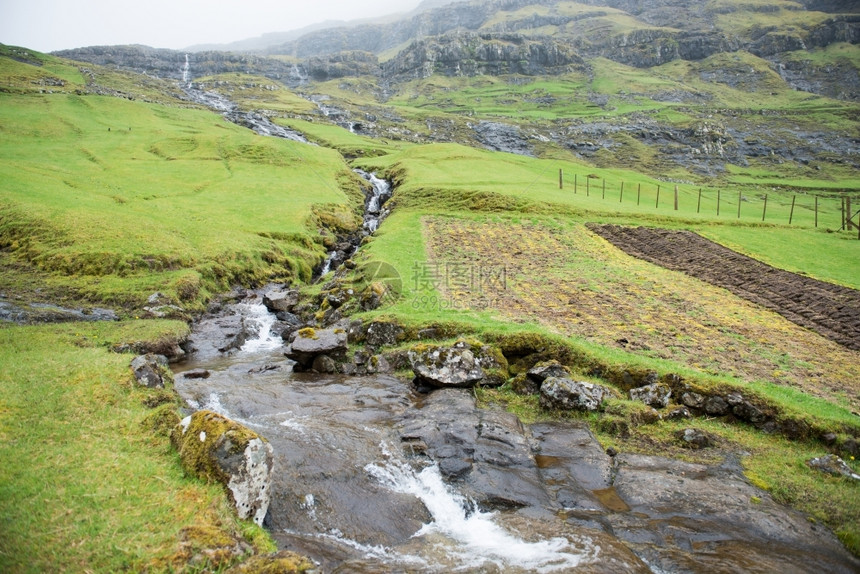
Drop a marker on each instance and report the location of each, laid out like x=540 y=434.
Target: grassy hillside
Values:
x=114 y=188
x=116 y=199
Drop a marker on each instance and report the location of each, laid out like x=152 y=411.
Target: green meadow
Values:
x=106 y=200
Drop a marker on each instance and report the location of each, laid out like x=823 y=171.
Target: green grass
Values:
x=124 y=191
x=84 y=485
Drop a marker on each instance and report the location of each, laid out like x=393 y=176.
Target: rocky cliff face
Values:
x=473 y=54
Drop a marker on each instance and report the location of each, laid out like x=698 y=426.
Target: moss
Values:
x=308 y=333
x=162 y=420
x=849 y=535
x=281 y=563
x=206 y=432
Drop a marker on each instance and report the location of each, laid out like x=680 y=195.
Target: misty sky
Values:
x=49 y=25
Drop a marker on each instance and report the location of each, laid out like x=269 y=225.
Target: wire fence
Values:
x=833 y=211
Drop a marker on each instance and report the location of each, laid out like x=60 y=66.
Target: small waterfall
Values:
x=478 y=539
x=380 y=193
x=259 y=320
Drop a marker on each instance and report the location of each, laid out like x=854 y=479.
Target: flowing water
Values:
x=344 y=492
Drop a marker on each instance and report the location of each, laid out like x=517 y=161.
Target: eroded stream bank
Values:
x=372 y=476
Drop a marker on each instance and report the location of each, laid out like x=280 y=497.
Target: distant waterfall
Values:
x=186 y=72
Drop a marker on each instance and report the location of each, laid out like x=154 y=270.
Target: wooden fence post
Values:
x=604 y=188
x=561 y=179
x=699 y=205
x=718 y=202
x=791 y=214
x=676 y=198
x=740 y=198
x=816 y=211
x=658 y=198
x=621 y=197
x=587 y=187
x=764 y=209
x=638 y=194
x=843 y=213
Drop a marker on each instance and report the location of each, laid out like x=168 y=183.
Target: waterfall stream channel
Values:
x=370 y=475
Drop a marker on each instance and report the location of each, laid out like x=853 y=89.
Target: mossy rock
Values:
x=162 y=420
x=217 y=449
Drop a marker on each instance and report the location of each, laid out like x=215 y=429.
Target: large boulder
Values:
x=308 y=344
x=215 y=448
x=462 y=365
x=567 y=394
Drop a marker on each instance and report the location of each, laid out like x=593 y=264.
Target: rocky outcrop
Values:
x=832 y=464
x=656 y=395
x=216 y=448
x=465 y=364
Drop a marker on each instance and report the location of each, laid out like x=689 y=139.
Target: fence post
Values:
x=621 y=197
x=574 y=184
x=604 y=188
x=740 y=198
x=658 y=198
x=791 y=214
x=638 y=194
x=561 y=179
x=718 y=202
x=764 y=210
x=843 y=213
x=699 y=205
x=816 y=211
x=676 y=198
x=587 y=187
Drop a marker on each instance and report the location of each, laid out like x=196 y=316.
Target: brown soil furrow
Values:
x=831 y=310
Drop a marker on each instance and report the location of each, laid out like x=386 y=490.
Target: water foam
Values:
x=260 y=320
x=479 y=539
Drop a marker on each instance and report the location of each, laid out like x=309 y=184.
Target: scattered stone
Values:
x=694 y=438
x=693 y=400
x=150 y=370
x=310 y=343
x=656 y=395
x=746 y=411
x=281 y=300
x=832 y=464
x=461 y=365
x=197 y=374
x=213 y=447
x=324 y=364
x=542 y=371
x=383 y=334
x=716 y=406
x=567 y=394
x=678 y=413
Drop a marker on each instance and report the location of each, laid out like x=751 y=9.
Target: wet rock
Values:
x=567 y=394
x=656 y=395
x=212 y=336
x=150 y=370
x=486 y=452
x=382 y=334
x=462 y=365
x=310 y=343
x=832 y=464
x=214 y=447
x=281 y=300
x=694 y=438
x=687 y=517
x=324 y=364
x=197 y=374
